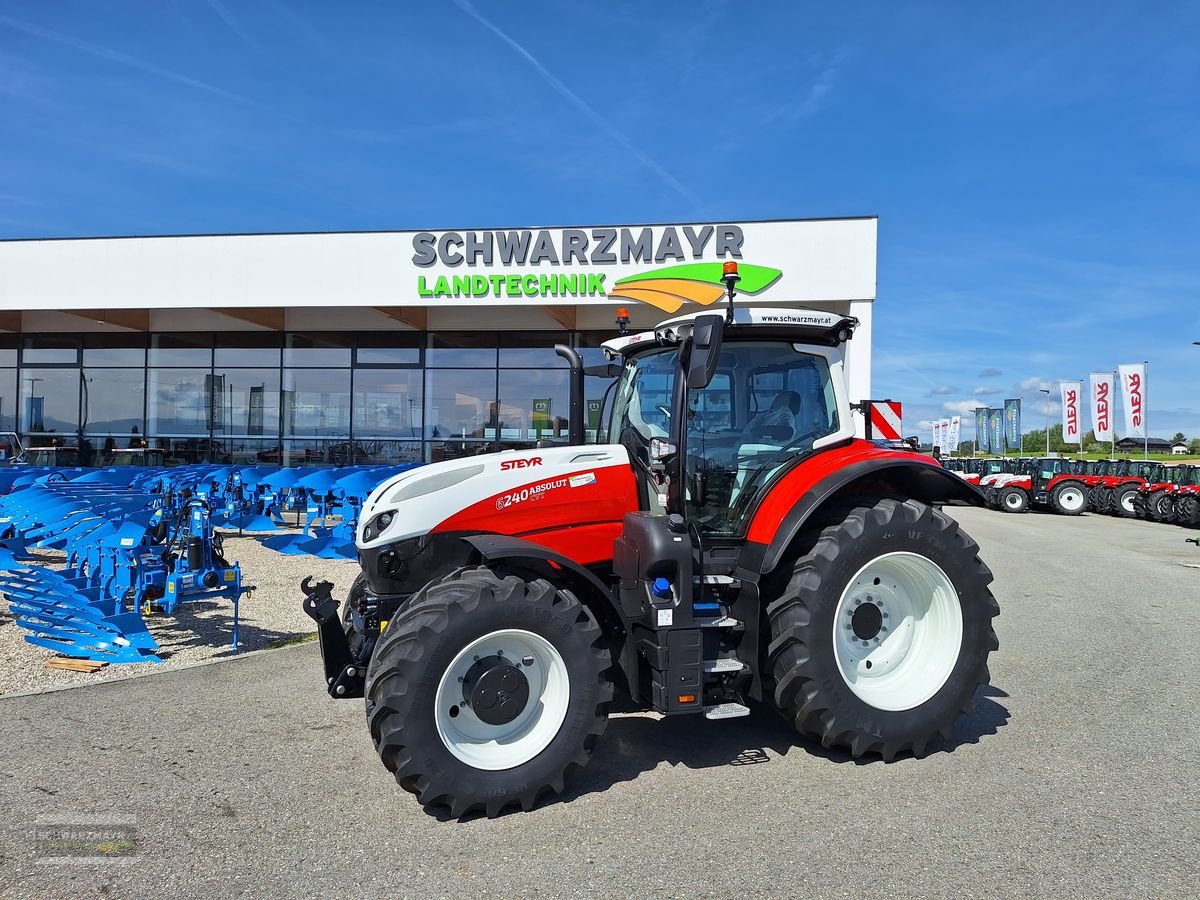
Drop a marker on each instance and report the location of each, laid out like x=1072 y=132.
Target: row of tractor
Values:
x=1119 y=487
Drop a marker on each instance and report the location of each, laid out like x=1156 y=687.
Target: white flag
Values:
x=955 y=427
x=1133 y=392
x=1070 y=405
x=945 y=436
x=1103 y=392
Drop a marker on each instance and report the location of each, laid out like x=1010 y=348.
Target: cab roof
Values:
x=793 y=323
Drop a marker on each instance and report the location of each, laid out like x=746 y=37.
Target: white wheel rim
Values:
x=497 y=747
x=920 y=632
x=1127 y=501
x=1012 y=500
x=1070 y=498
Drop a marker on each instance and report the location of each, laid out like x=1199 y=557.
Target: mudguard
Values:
x=858 y=467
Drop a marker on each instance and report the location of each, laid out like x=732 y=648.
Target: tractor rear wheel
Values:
x=1013 y=500
x=488 y=691
x=1068 y=498
x=1122 y=500
x=1187 y=509
x=881 y=635
x=1159 y=506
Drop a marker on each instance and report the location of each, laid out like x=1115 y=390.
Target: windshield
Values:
x=767 y=403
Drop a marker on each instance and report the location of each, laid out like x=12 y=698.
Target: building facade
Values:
x=365 y=347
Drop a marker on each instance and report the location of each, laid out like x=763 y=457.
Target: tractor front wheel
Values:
x=1069 y=499
x=488 y=691
x=1159 y=506
x=1013 y=500
x=881 y=636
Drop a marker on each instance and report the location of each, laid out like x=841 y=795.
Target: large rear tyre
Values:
x=1068 y=498
x=881 y=635
x=1122 y=500
x=1159 y=506
x=488 y=691
x=1013 y=500
x=1101 y=499
x=1187 y=509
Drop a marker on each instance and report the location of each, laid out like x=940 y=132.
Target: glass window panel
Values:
x=115 y=350
x=475 y=349
x=50 y=348
x=8 y=400
x=316 y=402
x=113 y=403
x=181 y=349
x=326 y=349
x=338 y=452
x=392 y=452
x=180 y=403
x=389 y=348
x=248 y=348
x=437 y=451
x=246 y=403
x=460 y=404
x=588 y=344
x=387 y=403
x=8 y=349
x=49 y=401
x=534 y=349
x=534 y=404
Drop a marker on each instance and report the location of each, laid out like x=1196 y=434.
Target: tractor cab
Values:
x=712 y=410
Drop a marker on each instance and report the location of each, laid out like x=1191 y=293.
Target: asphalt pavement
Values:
x=1074 y=777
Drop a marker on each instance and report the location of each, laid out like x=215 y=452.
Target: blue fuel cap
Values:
x=661 y=587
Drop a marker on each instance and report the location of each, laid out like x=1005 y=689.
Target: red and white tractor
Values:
x=1049 y=483
x=728 y=542
x=1114 y=493
x=1156 y=499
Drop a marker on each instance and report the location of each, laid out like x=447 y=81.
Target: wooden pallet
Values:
x=68 y=664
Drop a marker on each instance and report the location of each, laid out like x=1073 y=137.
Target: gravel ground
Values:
x=197 y=631
x=1074 y=777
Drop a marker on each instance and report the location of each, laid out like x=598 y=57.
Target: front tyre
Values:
x=488 y=691
x=881 y=636
x=1013 y=500
x=1068 y=498
x=1122 y=500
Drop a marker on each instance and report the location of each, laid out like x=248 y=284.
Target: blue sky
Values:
x=1035 y=167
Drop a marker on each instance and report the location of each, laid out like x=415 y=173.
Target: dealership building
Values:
x=371 y=346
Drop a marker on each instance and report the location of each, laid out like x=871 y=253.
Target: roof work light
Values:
x=729 y=275
x=622 y=319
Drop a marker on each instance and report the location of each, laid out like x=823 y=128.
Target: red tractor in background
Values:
x=1114 y=492
x=729 y=541
x=1051 y=482
x=1156 y=499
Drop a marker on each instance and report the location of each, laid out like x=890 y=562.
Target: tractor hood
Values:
x=492 y=492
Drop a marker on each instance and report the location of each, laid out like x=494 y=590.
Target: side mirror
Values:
x=706 y=350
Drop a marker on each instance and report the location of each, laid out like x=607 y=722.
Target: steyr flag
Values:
x=1070 y=404
x=955 y=428
x=1012 y=423
x=982 y=444
x=1103 y=392
x=1133 y=392
x=996 y=427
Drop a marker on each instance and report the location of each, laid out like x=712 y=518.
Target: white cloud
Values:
x=962 y=407
x=1029 y=385
x=943 y=390
x=990 y=373
x=985 y=391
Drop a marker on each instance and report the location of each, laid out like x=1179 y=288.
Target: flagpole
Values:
x=1146 y=409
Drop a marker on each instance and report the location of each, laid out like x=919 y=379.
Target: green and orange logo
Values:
x=668 y=289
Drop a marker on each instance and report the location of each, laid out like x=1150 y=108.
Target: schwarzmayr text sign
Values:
x=563 y=262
